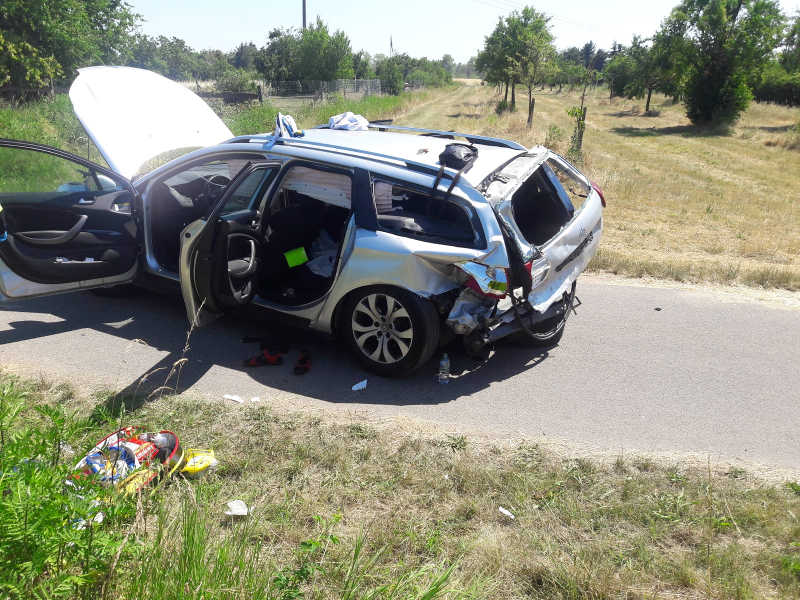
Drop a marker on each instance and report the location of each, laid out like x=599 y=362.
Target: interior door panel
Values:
x=65 y=220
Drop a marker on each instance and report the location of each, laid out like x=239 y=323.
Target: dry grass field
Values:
x=682 y=204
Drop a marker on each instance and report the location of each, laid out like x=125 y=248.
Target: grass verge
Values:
x=354 y=510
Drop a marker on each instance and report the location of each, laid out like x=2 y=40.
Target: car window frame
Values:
x=472 y=215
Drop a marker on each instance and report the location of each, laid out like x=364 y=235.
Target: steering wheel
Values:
x=215 y=185
x=242 y=271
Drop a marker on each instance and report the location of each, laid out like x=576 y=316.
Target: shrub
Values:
x=779 y=86
x=236 y=80
x=554 y=137
x=714 y=95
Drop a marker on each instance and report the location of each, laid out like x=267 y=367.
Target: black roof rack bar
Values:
x=386 y=158
x=492 y=141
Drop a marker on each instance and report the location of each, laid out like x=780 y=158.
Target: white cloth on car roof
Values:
x=348 y=121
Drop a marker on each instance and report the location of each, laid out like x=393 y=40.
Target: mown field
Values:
x=682 y=204
x=355 y=510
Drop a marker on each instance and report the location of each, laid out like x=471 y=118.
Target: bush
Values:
x=715 y=95
x=554 y=137
x=502 y=107
x=778 y=86
x=236 y=80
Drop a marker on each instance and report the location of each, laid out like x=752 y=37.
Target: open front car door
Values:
x=66 y=223
x=220 y=256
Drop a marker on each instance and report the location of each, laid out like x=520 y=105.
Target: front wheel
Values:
x=391 y=331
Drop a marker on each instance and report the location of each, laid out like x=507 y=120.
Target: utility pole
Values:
x=304 y=14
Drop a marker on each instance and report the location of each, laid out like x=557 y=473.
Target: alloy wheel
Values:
x=382 y=328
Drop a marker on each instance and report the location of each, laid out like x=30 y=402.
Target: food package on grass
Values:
x=130 y=459
x=197 y=461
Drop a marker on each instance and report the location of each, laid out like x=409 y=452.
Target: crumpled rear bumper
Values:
x=568 y=255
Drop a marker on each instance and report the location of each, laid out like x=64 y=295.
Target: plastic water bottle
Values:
x=444 y=369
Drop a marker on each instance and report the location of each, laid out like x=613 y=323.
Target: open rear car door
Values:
x=220 y=255
x=66 y=223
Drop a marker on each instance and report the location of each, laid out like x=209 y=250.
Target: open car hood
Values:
x=133 y=115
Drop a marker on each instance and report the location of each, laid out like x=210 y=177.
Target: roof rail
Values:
x=385 y=158
x=474 y=139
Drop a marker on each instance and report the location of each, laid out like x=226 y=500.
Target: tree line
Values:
x=43 y=43
x=713 y=55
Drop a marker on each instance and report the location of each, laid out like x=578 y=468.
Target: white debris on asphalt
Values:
x=234 y=398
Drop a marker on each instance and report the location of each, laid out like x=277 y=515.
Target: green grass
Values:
x=260 y=118
x=354 y=510
x=52 y=122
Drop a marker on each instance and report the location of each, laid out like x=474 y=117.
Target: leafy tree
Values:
x=391 y=75
x=244 y=57
x=466 y=69
x=572 y=55
x=645 y=73
x=362 y=65
x=790 y=56
x=491 y=61
x=47 y=41
x=778 y=85
x=536 y=51
x=448 y=63
x=277 y=60
x=619 y=72
x=728 y=43
x=599 y=60
x=322 y=56
x=587 y=54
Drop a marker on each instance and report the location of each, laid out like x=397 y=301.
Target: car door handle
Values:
x=46 y=238
x=84 y=201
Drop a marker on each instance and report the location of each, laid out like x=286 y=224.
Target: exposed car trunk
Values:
x=551 y=220
x=539 y=210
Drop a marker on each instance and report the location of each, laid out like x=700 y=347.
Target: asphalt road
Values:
x=641 y=368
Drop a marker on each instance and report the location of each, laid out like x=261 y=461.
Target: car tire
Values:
x=125 y=290
x=548 y=333
x=393 y=344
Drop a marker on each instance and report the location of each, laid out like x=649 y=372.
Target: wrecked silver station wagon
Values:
x=394 y=239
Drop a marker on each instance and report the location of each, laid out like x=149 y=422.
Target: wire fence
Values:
x=361 y=87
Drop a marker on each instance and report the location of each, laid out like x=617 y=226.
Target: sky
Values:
x=429 y=28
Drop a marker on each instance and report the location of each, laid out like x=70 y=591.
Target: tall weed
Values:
x=52 y=543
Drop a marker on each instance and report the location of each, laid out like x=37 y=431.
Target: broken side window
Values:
x=410 y=212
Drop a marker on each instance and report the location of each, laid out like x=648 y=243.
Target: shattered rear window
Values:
x=576 y=188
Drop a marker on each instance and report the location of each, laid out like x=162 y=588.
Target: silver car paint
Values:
x=13 y=287
x=383 y=258
x=369 y=257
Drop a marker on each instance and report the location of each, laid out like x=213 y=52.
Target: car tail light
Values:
x=597 y=189
x=538 y=270
x=487 y=281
